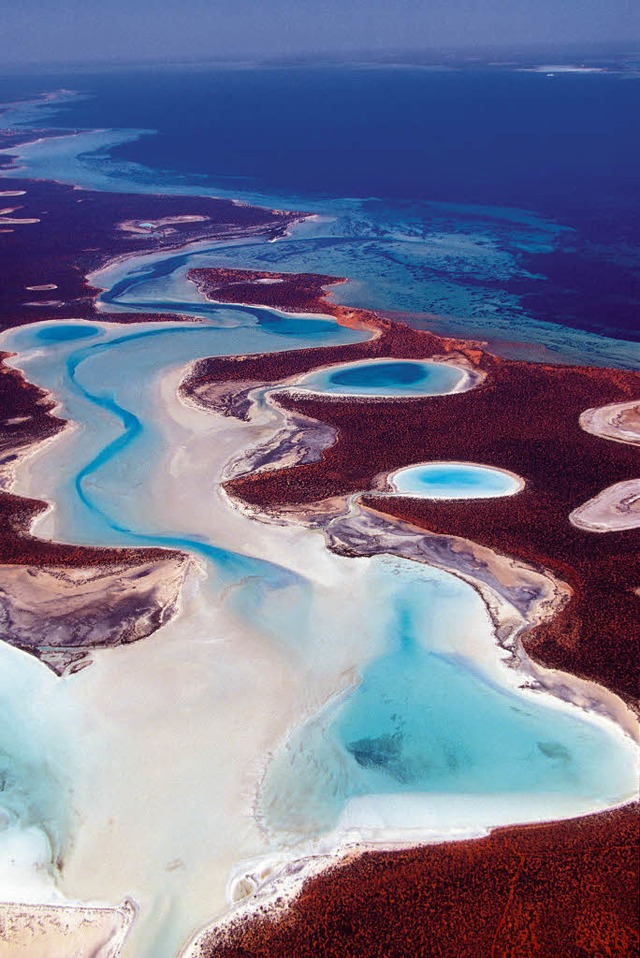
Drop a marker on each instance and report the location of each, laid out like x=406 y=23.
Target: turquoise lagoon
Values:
x=419 y=720
x=454 y=480
x=404 y=378
x=428 y=713
x=428 y=726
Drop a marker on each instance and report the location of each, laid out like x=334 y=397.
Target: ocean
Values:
x=505 y=201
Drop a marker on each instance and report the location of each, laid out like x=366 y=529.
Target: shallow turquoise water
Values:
x=425 y=720
x=454 y=480
x=420 y=720
x=100 y=498
x=401 y=378
x=109 y=379
x=66 y=332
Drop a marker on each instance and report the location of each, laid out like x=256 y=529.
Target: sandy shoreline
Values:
x=614 y=509
x=617 y=507
x=54 y=931
x=466 y=897
x=619 y=422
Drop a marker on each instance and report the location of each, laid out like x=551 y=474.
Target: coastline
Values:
x=509 y=886
x=343 y=314
x=270 y=888
x=348 y=534
x=68 y=581
x=53 y=928
x=170 y=393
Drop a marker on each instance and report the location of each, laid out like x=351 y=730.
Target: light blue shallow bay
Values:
x=427 y=721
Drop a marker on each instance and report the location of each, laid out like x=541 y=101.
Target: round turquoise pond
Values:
x=66 y=332
x=386 y=378
x=454 y=480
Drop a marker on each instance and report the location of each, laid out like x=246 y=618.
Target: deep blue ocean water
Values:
x=458 y=153
x=562 y=146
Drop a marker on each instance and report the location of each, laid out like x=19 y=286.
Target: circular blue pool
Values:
x=454 y=480
x=386 y=378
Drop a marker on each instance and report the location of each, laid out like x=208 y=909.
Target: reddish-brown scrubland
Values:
x=562 y=890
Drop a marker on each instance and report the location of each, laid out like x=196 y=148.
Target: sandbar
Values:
x=614 y=509
x=65 y=930
x=617 y=421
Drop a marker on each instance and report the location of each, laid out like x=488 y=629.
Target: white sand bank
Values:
x=619 y=422
x=64 y=931
x=613 y=510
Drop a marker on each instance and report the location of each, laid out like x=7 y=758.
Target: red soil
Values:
x=563 y=890
x=301 y=292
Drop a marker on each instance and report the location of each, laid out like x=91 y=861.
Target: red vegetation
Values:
x=300 y=292
x=563 y=890
x=79 y=230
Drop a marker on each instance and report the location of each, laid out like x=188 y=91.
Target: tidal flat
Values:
x=267 y=616
x=306 y=667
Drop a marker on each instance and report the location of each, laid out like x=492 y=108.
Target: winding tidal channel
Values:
x=300 y=699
